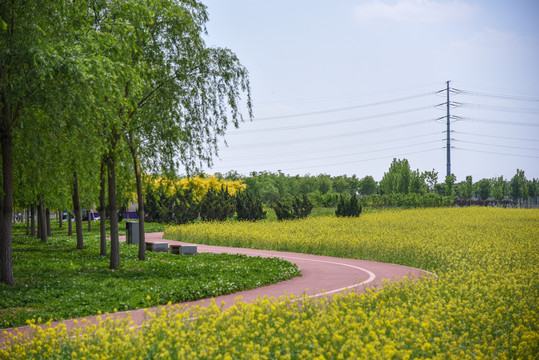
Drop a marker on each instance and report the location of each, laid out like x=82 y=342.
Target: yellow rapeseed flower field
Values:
x=482 y=305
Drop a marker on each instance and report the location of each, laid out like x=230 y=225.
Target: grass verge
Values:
x=56 y=281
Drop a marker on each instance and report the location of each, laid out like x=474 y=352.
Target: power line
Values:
x=363 y=160
x=327 y=123
x=498 y=96
x=501 y=122
x=372 y=119
x=495 y=137
x=513 y=109
x=344 y=108
x=326 y=137
x=502 y=146
x=331 y=157
x=498 y=153
x=503 y=91
x=345 y=147
x=341 y=97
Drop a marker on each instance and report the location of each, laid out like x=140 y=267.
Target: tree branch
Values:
x=154 y=90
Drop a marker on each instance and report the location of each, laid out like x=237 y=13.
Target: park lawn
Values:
x=56 y=281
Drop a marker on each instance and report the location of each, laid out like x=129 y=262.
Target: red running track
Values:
x=321 y=275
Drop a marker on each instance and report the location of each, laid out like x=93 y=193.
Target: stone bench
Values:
x=183 y=249
x=156 y=246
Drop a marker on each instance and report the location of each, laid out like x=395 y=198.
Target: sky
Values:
x=342 y=87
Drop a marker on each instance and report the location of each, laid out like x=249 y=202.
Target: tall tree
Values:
x=468 y=188
x=417 y=182
x=498 y=188
x=397 y=179
x=450 y=186
x=179 y=95
x=39 y=58
x=532 y=190
x=367 y=185
x=114 y=245
x=483 y=188
x=103 y=207
x=518 y=185
x=431 y=178
x=78 y=211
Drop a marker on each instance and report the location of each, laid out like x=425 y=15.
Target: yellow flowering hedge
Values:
x=199 y=184
x=482 y=305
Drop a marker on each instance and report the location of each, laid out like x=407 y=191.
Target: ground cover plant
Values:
x=54 y=280
x=482 y=305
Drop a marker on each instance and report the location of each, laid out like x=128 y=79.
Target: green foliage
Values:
x=324 y=184
x=298 y=207
x=468 y=189
x=249 y=207
x=518 y=186
x=54 y=281
x=411 y=200
x=449 y=186
x=323 y=200
x=348 y=207
x=431 y=179
x=483 y=188
x=498 y=188
x=367 y=185
x=417 y=183
x=217 y=206
x=397 y=178
x=274 y=186
x=178 y=208
x=532 y=187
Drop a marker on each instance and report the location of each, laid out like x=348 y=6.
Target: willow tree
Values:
x=178 y=95
x=31 y=60
x=47 y=64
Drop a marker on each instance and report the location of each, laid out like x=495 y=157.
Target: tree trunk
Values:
x=89 y=220
x=48 y=221
x=113 y=211
x=60 y=219
x=42 y=227
x=38 y=222
x=6 y=204
x=138 y=176
x=69 y=224
x=78 y=212
x=103 y=209
x=27 y=221
x=32 y=220
x=142 y=236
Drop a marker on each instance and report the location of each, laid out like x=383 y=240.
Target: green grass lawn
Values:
x=56 y=281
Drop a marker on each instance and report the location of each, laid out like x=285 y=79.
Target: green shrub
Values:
x=249 y=207
x=217 y=206
x=180 y=208
x=298 y=207
x=348 y=207
x=323 y=200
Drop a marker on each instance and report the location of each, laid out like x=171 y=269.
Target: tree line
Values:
x=399 y=186
x=94 y=93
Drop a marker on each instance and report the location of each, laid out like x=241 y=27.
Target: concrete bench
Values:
x=183 y=249
x=156 y=246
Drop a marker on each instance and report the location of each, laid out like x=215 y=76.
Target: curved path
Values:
x=321 y=275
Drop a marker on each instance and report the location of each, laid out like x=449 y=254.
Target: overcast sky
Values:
x=343 y=86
